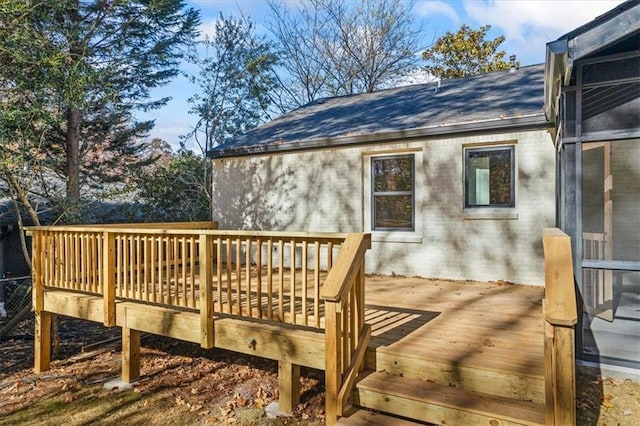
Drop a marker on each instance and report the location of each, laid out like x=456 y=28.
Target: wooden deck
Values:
x=441 y=330
x=445 y=352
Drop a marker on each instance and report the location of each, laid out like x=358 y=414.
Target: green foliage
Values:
x=73 y=74
x=235 y=77
x=173 y=191
x=464 y=53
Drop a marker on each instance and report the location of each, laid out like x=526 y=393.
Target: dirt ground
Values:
x=184 y=384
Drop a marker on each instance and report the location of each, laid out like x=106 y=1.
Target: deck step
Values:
x=369 y=418
x=515 y=382
x=434 y=403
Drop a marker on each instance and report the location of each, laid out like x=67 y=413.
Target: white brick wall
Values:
x=328 y=190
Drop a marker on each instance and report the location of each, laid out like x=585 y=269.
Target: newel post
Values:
x=108 y=277
x=332 y=357
x=42 y=337
x=560 y=313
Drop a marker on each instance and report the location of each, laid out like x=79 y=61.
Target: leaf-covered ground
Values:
x=184 y=384
x=181 y=384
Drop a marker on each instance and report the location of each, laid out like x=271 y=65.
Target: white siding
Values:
x=329 y=190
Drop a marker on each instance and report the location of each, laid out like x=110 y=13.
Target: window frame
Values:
x=373 y=192
x=467 y=152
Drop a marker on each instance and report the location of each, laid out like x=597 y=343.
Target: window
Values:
x=489 y=177
x=393 y=192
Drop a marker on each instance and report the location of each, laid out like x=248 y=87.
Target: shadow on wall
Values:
x=240 y=194
x=455 y=247
x=302 y=192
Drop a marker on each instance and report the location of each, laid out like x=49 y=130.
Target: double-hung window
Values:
x=489 y=177
x=393 y=206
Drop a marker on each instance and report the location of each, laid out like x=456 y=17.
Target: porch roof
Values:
x=620 y=24
x=488 y=102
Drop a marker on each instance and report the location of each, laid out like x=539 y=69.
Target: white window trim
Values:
x=399 y=236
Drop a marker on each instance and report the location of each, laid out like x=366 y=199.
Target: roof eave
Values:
x=532 y=121
x=556 y=68
x=581 y=43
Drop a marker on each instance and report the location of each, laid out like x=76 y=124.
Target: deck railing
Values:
x=561 y=315
x=346 y=333
x=315 y=280
x=263 y=275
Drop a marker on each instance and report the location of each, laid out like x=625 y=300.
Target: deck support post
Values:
x=288 y=386
x=42 y=344
x=130 y=355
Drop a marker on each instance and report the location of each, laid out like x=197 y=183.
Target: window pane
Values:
x=393 y=211
x=393 y=174
x=489 y=177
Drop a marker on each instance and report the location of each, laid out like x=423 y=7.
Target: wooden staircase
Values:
x=469 y=364
x=442 y=404
x=437 y=392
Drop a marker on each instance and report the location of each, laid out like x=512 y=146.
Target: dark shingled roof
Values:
x=489 y=101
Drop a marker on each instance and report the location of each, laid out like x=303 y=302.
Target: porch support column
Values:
x=130 y=355
x=288 y=386
x=42 y=344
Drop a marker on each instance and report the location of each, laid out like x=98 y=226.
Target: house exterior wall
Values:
x=330 y=191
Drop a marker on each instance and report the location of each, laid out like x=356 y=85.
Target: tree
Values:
x=465 y=53
x=234 y=79
x=332 y=48
x=173 y=191
x=83 y=68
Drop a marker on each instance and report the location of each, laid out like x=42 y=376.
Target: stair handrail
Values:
x=561 y=316
x=346 y=334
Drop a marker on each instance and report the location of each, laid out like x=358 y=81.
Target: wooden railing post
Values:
x=345 y=345
x=37 y=263
x=332 y=361
x=42 y=337
x=108 y=278
x=561 y=315
x=206 y=292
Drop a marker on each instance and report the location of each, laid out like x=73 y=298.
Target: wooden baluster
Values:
x=292 y=291
x=239 y=275
x=247 y=260
x=259 y=276
x=154 y=267
x=229 y=269
x=138 y=268
x=316 y=284
x=305 y=320
x=281 y=280
x=192 y=270
x=270 y=278
x=219 y=270
x=175 y=257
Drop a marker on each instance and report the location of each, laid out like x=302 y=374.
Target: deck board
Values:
x=493 y=326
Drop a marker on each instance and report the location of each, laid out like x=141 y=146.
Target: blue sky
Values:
x=526 y=24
